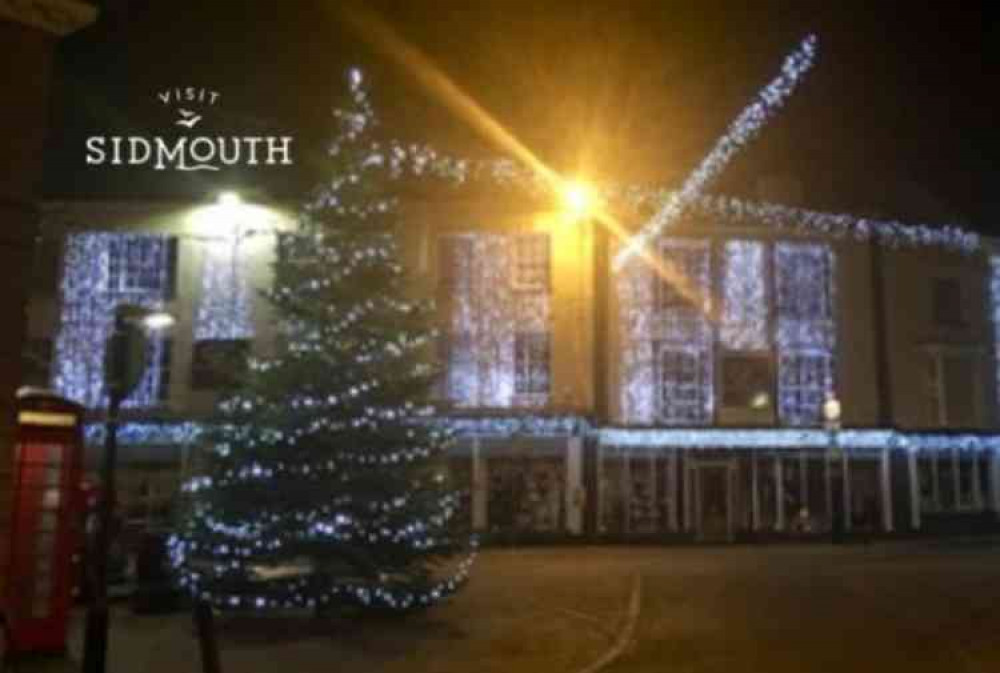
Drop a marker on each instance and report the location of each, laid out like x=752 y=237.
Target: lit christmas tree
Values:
x=326 y=482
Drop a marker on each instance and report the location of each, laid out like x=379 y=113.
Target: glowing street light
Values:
x=229 y=199
x=158 y=321
x=579 y=198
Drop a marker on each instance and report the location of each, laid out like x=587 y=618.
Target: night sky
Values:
x=896 y=119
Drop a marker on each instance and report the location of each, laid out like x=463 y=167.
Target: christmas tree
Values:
x=325 y=483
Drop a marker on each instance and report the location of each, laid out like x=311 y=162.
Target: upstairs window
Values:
x=531 y=364
x=141 y=264
x=494 y=294
x=531 y=262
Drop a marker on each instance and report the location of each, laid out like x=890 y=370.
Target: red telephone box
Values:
x=45 y=532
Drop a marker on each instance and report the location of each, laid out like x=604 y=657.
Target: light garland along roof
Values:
x=793 y=438
x=184 y=433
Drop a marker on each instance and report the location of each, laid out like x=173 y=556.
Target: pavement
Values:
x=914 y=606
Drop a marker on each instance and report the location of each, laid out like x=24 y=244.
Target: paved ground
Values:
x=925 y=606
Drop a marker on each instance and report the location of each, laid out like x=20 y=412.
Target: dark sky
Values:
x=897 y=118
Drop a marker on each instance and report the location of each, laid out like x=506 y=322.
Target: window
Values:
x=804 y=381
x=531 y=262
x=952 y=479
x=806 y=334
x=744 y=324
x=683 y=386
x=218 y=363
x=682 y=285
x=531 y=364
x=946 y=301
x=493 y=291
x=141 y=263
x=747 y=381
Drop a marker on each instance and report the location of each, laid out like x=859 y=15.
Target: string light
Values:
x=499 y=291
x=101 y=272
x=321 y=449
x=224 y=305
x=744 y=129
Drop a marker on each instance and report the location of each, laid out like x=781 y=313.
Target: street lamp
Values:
x=229 y=199
x=124 y=366
x=580 y=203
x=831 y=421
x=578 y=199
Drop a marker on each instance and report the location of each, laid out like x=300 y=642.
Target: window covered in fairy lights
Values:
x=101 y=271
x=494 y=291
x=531 y=364
x=744 y=323
x=682 y=384
x=531 y=271
x=806 y=334
x=774 y=329
x=224 y=304
x=135 y=265
x=668 y=341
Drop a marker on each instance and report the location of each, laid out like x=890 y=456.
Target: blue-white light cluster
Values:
x=744 y=322
x=744 y=129
x=892 y=233
x=789 y=438
x=224 y=306
x=489 y=306
x=100 y=272
x=806 y=332
x=669 y=336
x=528 y=425
x=147 y=433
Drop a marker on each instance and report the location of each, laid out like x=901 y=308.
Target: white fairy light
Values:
x=102 y=271
x=744 y=129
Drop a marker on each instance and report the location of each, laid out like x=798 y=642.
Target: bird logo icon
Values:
x=188 y=119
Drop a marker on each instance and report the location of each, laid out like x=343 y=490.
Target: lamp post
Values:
x=124 y=365
x=580 y=204
x=831 y=421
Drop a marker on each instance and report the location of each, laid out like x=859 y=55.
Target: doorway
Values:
x=714 y=501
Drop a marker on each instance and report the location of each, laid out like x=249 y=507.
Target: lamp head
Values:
x=579 y=198
x=157 y=321
x=229 y=199
x=831 y=410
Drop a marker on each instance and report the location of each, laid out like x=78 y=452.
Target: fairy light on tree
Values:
x=325 y=482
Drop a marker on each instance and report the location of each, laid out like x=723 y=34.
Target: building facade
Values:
x=685 y=395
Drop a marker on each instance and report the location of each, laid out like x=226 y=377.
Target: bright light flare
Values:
x=229 y=199
x=381 y=36
x=578 y=198
x=158 y=321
